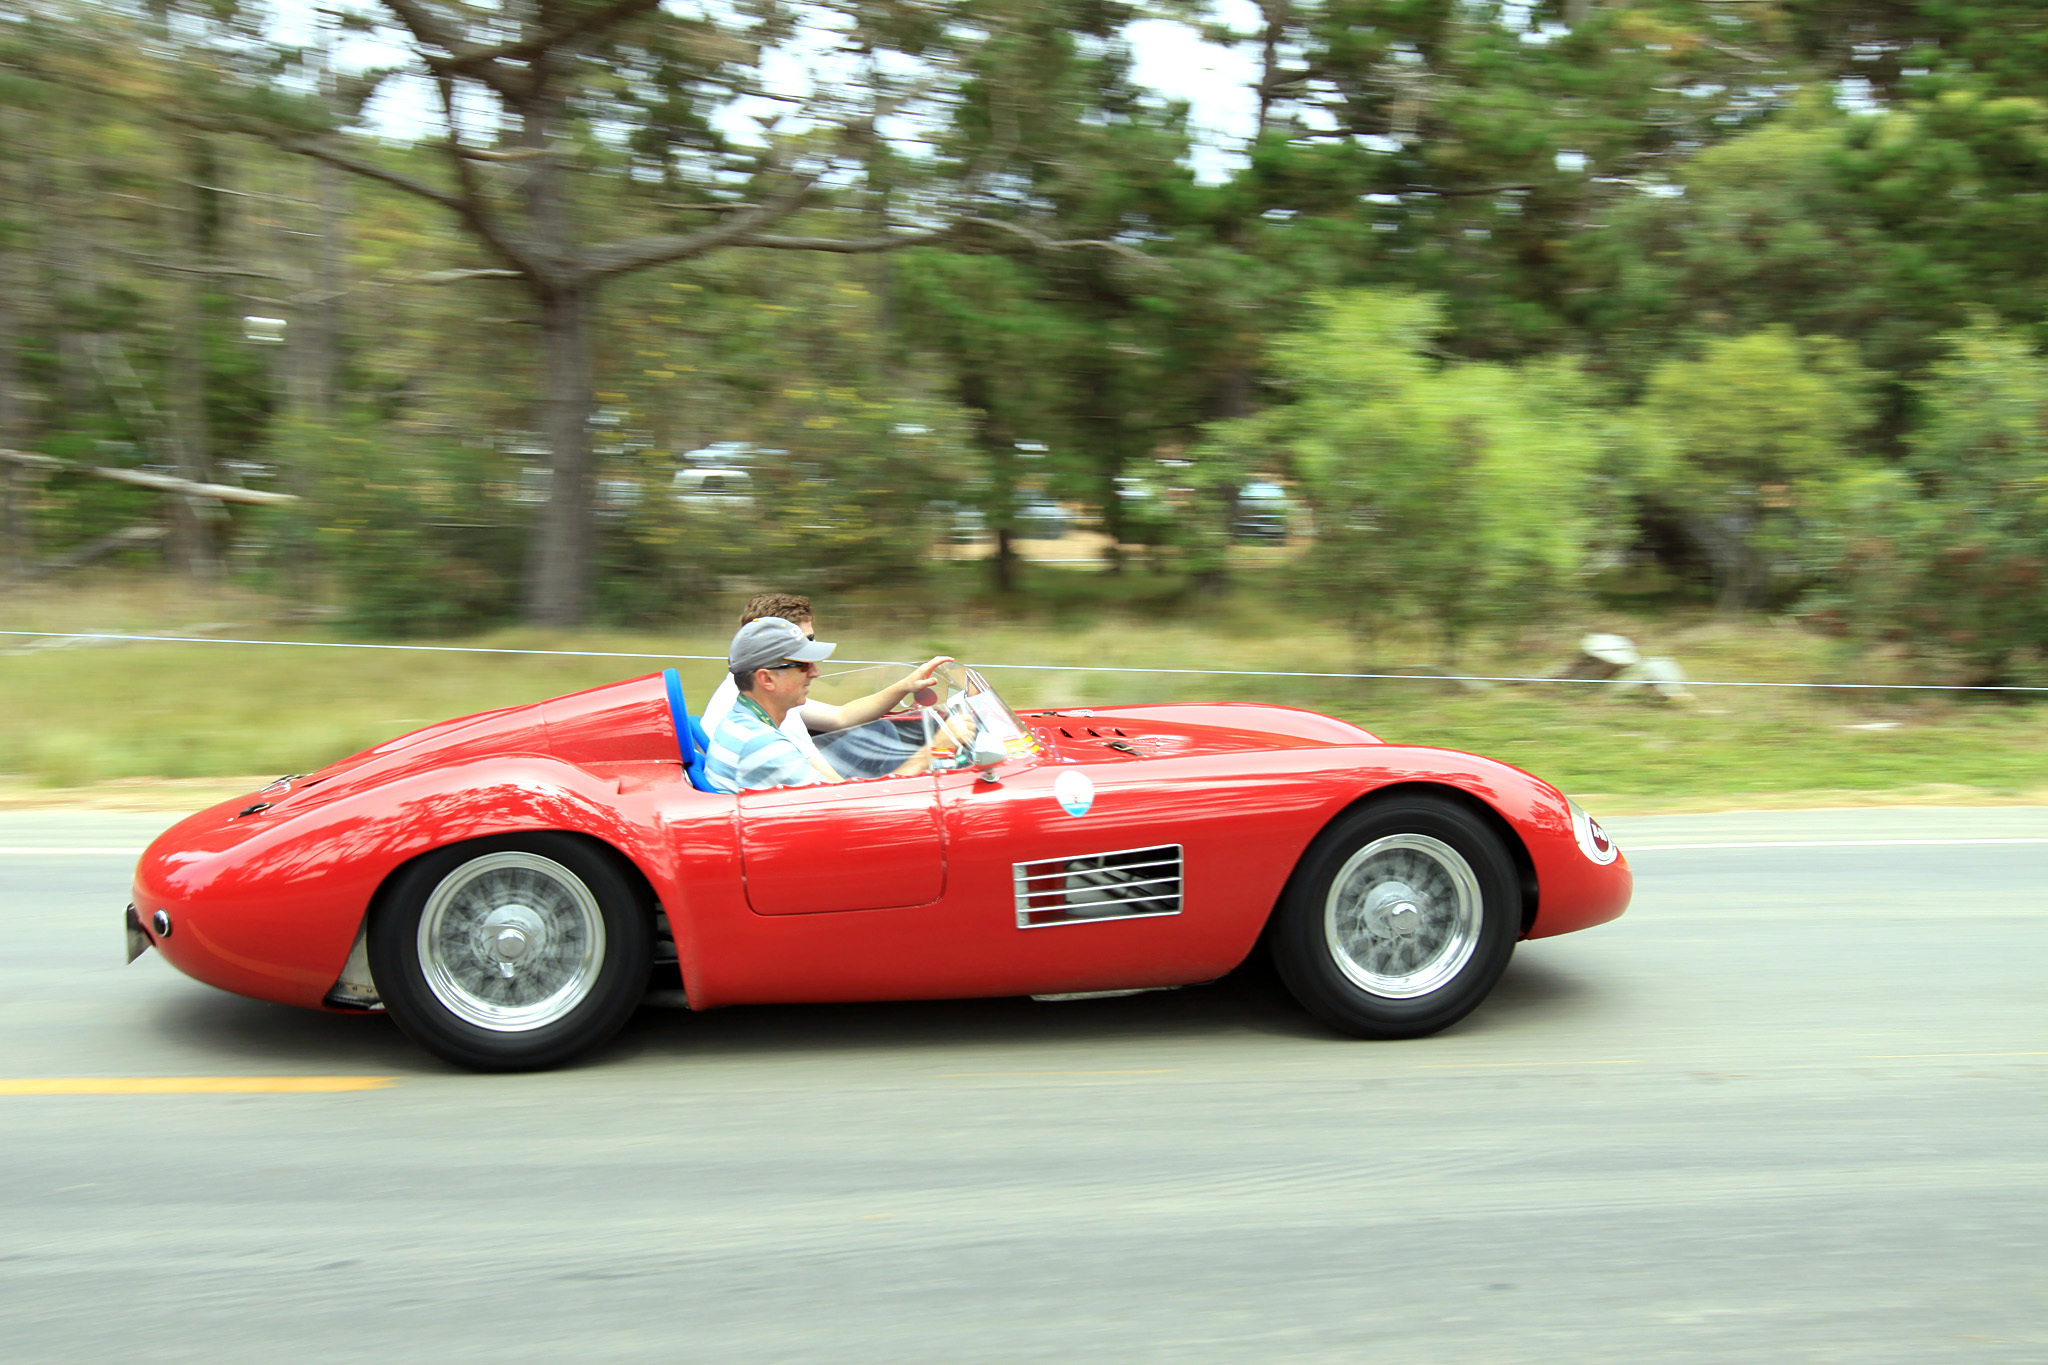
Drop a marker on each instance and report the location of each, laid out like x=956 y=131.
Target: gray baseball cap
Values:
x=770 y=640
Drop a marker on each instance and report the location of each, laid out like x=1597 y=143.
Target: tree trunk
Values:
x=191 y=518
x=1004 y=563
x=16 y=551
x=1738 y=571
x=558 y=562
x=977 y=395
x=1274 y=16
x=1103 y=423
x=67 y=242
x=314 y=335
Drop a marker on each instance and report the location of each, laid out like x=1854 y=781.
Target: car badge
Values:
x=1074 y=792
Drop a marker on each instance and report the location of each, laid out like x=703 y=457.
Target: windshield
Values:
x=967 y=714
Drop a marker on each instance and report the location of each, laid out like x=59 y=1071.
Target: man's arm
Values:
x=822 y=717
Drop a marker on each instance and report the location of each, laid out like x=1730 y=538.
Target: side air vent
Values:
x=1133 y=884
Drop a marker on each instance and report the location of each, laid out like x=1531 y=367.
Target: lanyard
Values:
x=758 y=710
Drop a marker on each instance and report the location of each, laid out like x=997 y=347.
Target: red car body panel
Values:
x=892 y=888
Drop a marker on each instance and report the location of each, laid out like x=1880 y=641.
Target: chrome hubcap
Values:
x=508 y=934
x=1403 y=916
x=511 y=941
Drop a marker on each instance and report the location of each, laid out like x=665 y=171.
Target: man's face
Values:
x=789 y=685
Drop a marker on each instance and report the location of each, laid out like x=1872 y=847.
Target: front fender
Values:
x=1572 y=891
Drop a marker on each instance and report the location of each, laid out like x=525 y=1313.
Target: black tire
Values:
x=1400 y=918
x=513 y=953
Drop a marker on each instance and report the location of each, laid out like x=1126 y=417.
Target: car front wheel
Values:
x=513 y=953
x=1400 y=918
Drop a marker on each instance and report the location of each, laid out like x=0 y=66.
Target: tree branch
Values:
x=1037 y=241
x=162 y=483
x=489 y=64
x=179 y=267
x=458 y=276
x=619 y=258
x=846 y=246
x=514 y=154
x=471 y=203
x=1471 y=191
x=369 y=170
x=526 y=49
x=426 y=26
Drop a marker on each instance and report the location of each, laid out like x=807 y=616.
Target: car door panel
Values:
x=846 y=846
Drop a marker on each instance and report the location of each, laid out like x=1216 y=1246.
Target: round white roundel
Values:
x=1594 y=841
x=1074 y=792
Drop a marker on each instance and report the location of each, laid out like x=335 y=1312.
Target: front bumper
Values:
x=138 y=939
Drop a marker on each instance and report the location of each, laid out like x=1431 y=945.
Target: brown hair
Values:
x=786 y=605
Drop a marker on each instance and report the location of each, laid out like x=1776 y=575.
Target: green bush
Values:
x=1747 y=447
x=1465 y=494
x=417 y=539
x=1946 y=559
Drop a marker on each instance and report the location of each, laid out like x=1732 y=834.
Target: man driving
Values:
x=861 y=745
x=773 y=664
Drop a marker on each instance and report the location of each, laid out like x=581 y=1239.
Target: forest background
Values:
x=1733 y=305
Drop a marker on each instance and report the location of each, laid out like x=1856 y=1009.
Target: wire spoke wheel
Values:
x=512 y=941
x=513 y=952
x=1402 y=916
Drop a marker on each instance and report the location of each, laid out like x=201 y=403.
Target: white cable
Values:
x=1037 y=668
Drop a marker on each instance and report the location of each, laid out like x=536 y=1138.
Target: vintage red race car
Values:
x=510 y=886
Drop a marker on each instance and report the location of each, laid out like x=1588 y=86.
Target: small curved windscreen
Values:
x=968 y=713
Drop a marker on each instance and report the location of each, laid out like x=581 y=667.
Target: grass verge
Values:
x=121 y=718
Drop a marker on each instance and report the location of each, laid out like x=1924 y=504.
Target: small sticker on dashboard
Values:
x=1074 y=792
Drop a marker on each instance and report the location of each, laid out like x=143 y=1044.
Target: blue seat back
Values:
x=691 y=741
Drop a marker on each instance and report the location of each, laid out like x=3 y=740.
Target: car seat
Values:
x=691 y=740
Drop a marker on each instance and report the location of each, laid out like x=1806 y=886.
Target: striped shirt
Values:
x=746 y=753
x=725 y=697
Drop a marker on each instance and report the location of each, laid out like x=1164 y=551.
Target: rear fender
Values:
x=271 y=906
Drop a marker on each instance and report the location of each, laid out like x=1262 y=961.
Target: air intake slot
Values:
x=1136 y=883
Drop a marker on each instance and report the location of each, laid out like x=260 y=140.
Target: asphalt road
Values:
x=1791 y=1108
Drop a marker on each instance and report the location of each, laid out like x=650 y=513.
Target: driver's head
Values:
x=787 y=605
x=775 y=654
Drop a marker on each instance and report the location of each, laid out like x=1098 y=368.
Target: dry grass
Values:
x=116 y=720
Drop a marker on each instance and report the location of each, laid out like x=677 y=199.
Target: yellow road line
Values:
x=189 y=1085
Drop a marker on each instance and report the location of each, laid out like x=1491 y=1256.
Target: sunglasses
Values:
x=791 y=663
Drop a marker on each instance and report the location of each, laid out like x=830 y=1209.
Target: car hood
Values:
x=1173 y=729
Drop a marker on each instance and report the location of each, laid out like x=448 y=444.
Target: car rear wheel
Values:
x=513 y=953
x=1400 y=918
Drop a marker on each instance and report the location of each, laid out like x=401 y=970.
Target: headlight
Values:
x=1593 y=840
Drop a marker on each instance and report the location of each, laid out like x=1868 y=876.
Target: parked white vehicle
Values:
x=714 y=488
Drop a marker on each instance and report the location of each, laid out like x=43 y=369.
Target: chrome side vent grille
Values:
x=1133 y=884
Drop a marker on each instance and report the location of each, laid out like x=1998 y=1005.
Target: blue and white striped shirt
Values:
x=746 y=753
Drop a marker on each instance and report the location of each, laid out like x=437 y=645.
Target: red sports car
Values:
x=510 y=886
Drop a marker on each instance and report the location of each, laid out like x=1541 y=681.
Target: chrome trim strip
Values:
x=1045 y=898
x=1173 y=866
